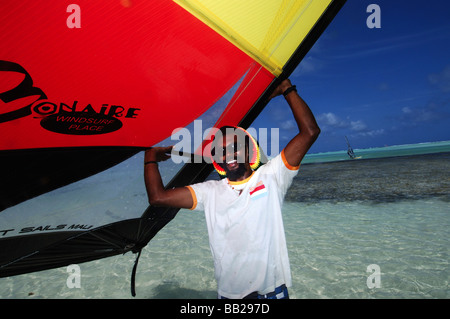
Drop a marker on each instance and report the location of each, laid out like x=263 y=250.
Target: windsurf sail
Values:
x=82 y=88
x=350 y=151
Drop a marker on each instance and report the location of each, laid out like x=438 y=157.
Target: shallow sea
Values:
x=376 y=227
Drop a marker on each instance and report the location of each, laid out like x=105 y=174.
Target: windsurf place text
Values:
x=91 y=124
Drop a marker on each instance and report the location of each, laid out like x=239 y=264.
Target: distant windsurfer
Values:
x=243 y=211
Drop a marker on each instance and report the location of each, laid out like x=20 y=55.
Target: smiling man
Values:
x=243 y=210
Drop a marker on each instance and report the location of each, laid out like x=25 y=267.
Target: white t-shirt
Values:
x=246 y=231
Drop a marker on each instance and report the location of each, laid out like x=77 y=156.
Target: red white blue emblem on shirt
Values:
x=258 y=191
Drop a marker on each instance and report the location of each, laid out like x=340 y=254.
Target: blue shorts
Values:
x=280 y=292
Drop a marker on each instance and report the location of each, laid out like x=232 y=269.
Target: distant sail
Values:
x=350 y=151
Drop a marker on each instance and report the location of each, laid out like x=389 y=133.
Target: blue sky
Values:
x=386 y=86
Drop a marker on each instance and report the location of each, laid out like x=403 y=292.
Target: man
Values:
x=243 y=211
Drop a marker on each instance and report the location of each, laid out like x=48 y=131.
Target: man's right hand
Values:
x=158 y=154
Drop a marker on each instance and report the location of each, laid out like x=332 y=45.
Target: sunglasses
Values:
x=230 y=148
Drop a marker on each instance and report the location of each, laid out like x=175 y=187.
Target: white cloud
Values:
x=289 y=125
x=372 y=133
x=358 y=126
x=331 y=123
x=406 y=110
x=388 y=44
x=433 y=111
x=307 y=66
x=330 y=120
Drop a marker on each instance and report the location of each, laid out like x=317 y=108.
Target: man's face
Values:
x=232 y=156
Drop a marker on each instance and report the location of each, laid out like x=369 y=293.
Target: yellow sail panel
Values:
x=269 y=31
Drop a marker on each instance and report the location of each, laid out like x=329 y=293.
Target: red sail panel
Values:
x=133 y=72
x=252 y=87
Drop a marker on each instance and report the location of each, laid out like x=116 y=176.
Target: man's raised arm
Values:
x=157 y=195
x=296 y=149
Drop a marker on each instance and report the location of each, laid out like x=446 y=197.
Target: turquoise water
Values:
x=380 y=152
x=389 y=209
